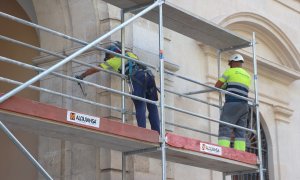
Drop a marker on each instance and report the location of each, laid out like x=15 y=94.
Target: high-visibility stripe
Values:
x=238 y=84
x=235 y=90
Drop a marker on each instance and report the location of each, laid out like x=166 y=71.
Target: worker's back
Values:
x=238 y=81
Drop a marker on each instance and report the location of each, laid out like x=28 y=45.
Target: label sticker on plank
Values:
x=210 y=149
x=83 y=119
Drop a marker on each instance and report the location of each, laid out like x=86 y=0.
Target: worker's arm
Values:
x=222 y=81
x=110 y=64
x=219 y=84
x=89 y=72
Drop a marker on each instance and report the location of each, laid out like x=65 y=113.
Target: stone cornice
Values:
x=49 y=58
x=282 y=113
x=276 y=72
x=283 y=75
x=171 y=66
x=208 y=51
x=267 y=68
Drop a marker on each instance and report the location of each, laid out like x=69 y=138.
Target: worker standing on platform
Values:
x=235 y=110
x=141 y=79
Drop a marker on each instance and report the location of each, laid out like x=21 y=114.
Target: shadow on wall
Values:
x=13 y=164
x=22 y=33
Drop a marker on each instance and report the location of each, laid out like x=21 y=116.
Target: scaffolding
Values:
x=168 y=15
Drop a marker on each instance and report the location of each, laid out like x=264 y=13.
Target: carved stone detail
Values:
x=282 y=113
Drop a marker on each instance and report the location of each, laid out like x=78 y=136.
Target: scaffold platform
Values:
x=186 y=23
x=43 y=119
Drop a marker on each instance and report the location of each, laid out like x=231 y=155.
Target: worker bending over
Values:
x=235 y=110
x=143 y=84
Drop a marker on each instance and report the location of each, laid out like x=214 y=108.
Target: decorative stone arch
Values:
x=268 y=33
x=22 y=33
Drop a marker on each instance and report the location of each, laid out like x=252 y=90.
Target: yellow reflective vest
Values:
x=237 y=81
x=115 y=63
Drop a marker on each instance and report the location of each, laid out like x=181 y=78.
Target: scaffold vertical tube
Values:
x=220 y=93
x=123 y=166
x=251 y=117
x=219 y=75
x=261 y=174
x=24 y=151
x=162 y=92
x=224 y=176
x=123 y=65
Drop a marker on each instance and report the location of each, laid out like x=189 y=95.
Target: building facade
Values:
x=275 y=22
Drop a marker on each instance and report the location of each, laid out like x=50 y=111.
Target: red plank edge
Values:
x=55 y=114
x=191 y=144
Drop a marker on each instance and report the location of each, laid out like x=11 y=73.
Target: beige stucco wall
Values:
x=276 y=24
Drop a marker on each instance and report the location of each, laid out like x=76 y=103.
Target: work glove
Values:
x=79 y=77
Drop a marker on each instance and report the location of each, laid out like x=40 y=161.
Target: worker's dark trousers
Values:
x=146 y=88
x=234 y=113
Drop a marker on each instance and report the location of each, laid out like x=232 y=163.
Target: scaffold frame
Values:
x=140 y=9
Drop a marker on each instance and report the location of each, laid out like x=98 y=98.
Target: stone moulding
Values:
x=282 y=113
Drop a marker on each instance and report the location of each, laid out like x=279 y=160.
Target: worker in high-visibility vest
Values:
x=235 y=110
x=141 y=79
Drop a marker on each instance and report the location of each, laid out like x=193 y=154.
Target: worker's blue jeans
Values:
x=144 y=86
x=234 y=113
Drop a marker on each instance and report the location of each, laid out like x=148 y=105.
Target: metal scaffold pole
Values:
x=219 y=75
x=261 y=174
x=123 y=90
x=220 y=93
x=123 y=166
x=123 y=65
x=162 y=92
